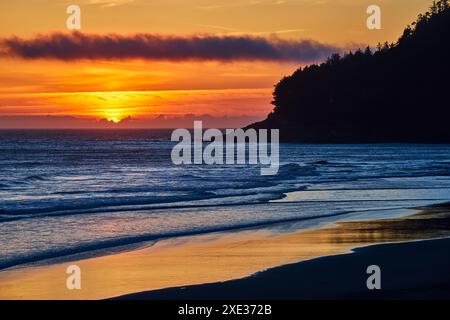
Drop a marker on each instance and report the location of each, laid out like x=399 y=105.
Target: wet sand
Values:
x=224 y=256
x=409 y=270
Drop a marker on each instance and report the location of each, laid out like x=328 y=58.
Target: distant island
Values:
x=398 y=93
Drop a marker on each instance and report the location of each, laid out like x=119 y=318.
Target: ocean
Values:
x=65 y=192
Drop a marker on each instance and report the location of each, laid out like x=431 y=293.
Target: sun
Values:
x=114 y=115
x=115 y=120
x=114 y=106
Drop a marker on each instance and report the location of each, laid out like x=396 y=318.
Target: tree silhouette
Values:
x=398 y=93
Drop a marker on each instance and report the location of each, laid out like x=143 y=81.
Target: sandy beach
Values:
x=219 y=257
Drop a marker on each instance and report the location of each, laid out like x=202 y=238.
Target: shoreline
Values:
x=410 y=269
x=415 y=270
x=140 y=241
x=217 y=257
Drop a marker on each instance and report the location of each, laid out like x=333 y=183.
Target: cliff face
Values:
x=400 y=93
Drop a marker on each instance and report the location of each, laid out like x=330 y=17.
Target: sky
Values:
x=161 y=63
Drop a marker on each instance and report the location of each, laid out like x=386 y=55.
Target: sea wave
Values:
x=259 y=189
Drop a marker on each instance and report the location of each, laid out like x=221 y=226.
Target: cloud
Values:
x=237 y=4
x=109 y=3
x=79 y=46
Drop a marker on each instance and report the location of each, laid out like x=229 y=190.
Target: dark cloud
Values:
x=77 y=46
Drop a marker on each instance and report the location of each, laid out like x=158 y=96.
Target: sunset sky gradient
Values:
x=171 y=58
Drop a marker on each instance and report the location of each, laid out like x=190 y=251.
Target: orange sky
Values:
x=146 y=88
